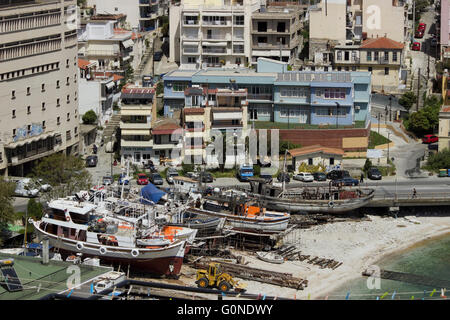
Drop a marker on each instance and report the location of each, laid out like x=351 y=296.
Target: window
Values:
x=297 y=92
x=68 y=116
x=310 y=161
x=331 y=161
x=238 y=61
x=67 y=81
x=369 y=69
x=239 y=20
x=13 y=114
x=334 y=93
x=339 y=55
x=386 y=71
x=339 y=68
x=29 y=128
x=28 y=91
x=67 y=63
x=58 y=120
x=192 y=60
x=262 y=39
x=281 y=27
x=28 y=109
x=57 y=84
x=386 y=56
x=68 y=98
x=43 y=106
x=43 y=124
x=346 y=56
x=376 y=56
x=43 y=87
x=68 y=136
x=262 y=26
x=57 y=102
x=323 y=112
x=14 y=133
x=353 y=68
x=394 y=56
x=180 y=86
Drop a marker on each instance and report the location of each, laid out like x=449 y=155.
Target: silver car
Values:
x=304 y=176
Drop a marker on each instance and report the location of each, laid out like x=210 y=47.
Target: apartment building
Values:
x=211 y=33
x=382 y=57
x=142 y=15
x=276 y=33
x=136 y=114
x=100 y=90
x=443 y=27
x=444 y=128
x=38 y=82
x=110 y=48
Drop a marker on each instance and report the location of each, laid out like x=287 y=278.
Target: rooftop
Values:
x=51 y=278
x=315 y=149
x=381 y=43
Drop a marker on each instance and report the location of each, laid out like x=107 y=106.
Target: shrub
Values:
x=90 y=117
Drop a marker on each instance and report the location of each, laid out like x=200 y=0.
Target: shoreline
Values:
x=356 y=244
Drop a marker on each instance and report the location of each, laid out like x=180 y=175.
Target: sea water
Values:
x=430 y=258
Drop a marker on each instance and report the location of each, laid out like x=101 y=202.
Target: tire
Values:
x=202 y=283
x=224 y=286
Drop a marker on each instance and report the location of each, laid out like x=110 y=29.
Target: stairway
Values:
x=145 y=59
x=111 y=127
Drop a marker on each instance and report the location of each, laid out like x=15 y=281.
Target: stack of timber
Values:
x=260 y=275
x=321 y=262
x=305 y=221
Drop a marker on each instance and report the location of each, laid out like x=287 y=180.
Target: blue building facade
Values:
x=301 y=97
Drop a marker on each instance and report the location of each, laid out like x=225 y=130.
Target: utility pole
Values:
x=387 y=162
x=379 y=120
x=418 y=90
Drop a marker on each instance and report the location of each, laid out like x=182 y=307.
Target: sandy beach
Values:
x=356 y=244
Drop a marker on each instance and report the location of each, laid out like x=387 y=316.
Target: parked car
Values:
x=434 y=42
x=284 y=176
x=433 y=146
x=108 y=180
x=267 y=177
x=142 y=179
x=319 y=176
x=430 y=138
x=156 y=179
x=422 y=27
x=124 y=179
x=192 y=175
x=304 y=176
x=415 y=46
x=24 y=188
x=91 y=161
x=337 y=174
x=346 y=181
x=207 y=177
x=157 y=56
x=171 y=172
x=374 y=174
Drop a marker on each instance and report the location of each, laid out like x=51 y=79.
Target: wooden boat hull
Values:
x=264 y=256
x=164 y=260
x=248 y=223
x=313 y=206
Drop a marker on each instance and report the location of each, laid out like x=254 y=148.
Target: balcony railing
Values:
x=190 y=50
x=259 y=96
x=191 y=22
x=216 y=23
x=214 y=50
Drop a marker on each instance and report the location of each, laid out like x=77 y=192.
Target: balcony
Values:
x=136 y=144
x=216 y=23
x=215 y=50
x=190 y=50
x=259 y=96
x=191 y=23
x=134 y=125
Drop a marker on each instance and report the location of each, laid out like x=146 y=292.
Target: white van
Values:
x=24 y=188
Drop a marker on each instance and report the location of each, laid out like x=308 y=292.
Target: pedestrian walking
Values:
x=361 y=180
x=414 y=196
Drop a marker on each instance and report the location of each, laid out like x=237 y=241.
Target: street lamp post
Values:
x=390 y=108
x=387 y=162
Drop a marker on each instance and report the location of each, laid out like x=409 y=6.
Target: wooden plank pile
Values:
x=291 y=253
x=260 y=275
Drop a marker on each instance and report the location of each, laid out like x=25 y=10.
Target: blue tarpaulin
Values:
x=150 y=193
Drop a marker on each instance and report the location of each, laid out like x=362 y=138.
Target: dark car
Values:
x=91 y=161
x=337 y=174
x=156 y=179
x=206 y=177
x=158 y=55
x=283 y=176
x=171 y=172
x=374 y=174
x=149 y=165
x=346 y=181
x=319 y=176
x=267 y=177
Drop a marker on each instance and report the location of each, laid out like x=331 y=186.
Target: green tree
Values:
x=159 y=88
x=407 y=100
x=286 y=145
x=66 y=174
x=367 y=166
x=90 y=117
x=6 y=206
x=439 y=160
x=34 y=209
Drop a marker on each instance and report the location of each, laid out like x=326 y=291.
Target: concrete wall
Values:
x=174 y=34
x=329 y=22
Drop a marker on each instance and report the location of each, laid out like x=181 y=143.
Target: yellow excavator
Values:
x=214 y=277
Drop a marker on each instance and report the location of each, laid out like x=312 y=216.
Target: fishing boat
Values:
x=309 y=200
x=242 y=214
x=270 y=257
x=76 y=227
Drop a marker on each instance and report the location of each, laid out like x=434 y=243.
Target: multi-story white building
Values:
x=38 y=82
x=142 y=15
x=211 y=33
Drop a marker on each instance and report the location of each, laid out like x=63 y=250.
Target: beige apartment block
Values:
x=276 y=33
x=444 y=128
x=38 y=82
x=211 y=33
